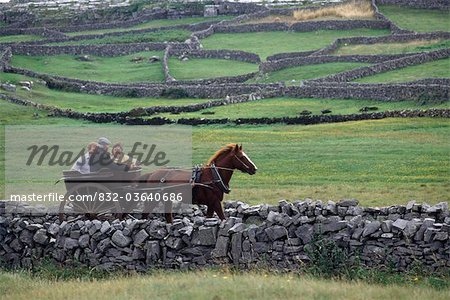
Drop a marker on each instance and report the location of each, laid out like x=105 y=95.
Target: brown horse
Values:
x=212 y=180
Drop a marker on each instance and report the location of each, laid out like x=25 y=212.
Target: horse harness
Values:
x=217 y=179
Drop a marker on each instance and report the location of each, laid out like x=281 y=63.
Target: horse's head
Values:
x=241 y=161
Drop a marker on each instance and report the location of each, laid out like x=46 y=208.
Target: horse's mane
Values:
x=222 y=151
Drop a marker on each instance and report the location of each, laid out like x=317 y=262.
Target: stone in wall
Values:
x=276 y=235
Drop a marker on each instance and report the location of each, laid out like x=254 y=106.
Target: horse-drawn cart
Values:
x=96 y=193
x=118 y=193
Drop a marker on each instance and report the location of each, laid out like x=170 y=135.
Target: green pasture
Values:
x=153 y=24
x=292 y=107
x=87 y=102
x=268 y=43
x=393 y=48
x=433 y=69
x=294 y=75
x=213 y=284
x=14 y=114
x=208 y=68
x=379 y=162
x=19 y=38
x=175 y=35
x=420 y=20
x=99 y=68
x=382 y=162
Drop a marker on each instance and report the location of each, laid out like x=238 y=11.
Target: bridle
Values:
x=218 y=181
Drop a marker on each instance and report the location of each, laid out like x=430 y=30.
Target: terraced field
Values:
x=268 y=43
x=393 y=48
x=417 y=19
x=152 y=24
x=208 y=68
x=174 y=35
x=433 y=69
x=294 y=75
x=96 y=68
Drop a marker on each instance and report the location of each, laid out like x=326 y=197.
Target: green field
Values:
x=87 y=102
x=176 y=35
x=14 y=114
x=209 y=285
x=380 y=162
x=433 y=69
x=393 y=48
x=268 y=43
x=208 y=68
x=19 y=38
x=106 y=69
x=291 y=107
x=420 y=20
x=153 y=24
x=295 y=74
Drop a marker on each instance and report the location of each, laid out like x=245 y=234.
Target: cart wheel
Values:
x=91 y=209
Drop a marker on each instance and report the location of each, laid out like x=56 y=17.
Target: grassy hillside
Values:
x=19 y=38
x=176 y=35
x=107 y=69
x=153 y=24
x=268 y=43
x=208 y=68
x=293 y=75
x=393 y=48
x=433 y=69
x=291 y=107
x=420 y=20
x=88 y=102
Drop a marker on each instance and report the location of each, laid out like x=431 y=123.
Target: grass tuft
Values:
x=350 y=10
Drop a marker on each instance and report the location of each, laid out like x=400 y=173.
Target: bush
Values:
x=327 y=258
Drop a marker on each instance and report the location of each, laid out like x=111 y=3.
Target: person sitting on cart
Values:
x=82 y=163
x=101 y=159
x=119 y=157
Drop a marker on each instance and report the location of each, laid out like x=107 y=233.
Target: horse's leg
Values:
x=210 y=210
x=219 y=209
x=168 y=212
x=169 y=217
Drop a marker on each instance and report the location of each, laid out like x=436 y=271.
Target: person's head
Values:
x=117 y=149
x=92 y=147
x=104 y=143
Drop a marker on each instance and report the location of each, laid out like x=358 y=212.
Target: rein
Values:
x=218 y=179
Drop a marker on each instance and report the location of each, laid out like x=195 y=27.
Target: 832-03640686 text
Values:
x=98 y=196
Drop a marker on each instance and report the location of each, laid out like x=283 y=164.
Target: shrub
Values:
x=327 y=258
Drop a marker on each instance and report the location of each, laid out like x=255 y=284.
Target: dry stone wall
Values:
x=431 y=89
x=428 y=4
x=398 y=38
x=220 y=54
x=276 y=65
x=262 y=235
x=133 y=117
x=387 y=66
x=100 y=50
